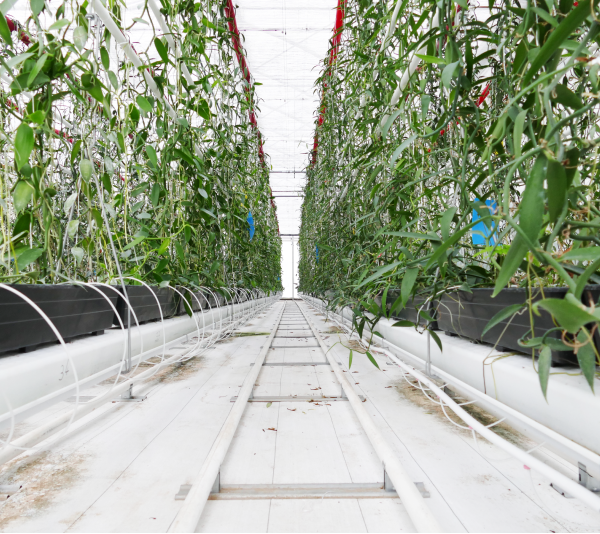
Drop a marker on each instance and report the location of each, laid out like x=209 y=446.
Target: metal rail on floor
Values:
x=207 y=484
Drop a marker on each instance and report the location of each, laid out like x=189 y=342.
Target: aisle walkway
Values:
x=122 y=469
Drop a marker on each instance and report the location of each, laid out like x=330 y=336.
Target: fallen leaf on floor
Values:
x=292 y=410
x=386 y=387
x=269 y=404
x=314 y=389
x=328 y=405
x=274 y=429
x=364 y=400
x=263 y=429
x=355 y=371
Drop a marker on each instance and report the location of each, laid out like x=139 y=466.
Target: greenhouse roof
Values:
x=285 y=41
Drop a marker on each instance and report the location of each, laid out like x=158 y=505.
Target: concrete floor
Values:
x=119 y=469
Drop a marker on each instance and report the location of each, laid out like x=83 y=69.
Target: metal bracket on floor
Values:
x=129 y=397
x=588 y=481
x=388 y=485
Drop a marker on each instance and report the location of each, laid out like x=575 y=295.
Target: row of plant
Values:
x=150 y=168
x=455 y=164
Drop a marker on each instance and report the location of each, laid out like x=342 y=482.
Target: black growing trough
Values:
x=74 y=310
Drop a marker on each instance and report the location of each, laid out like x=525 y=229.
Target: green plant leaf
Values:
x=446 y=221
x=150 y=150
x=143 y=104
x=350 y=360
x=180 y=252
x=566 y=97
x=453 y=239
x=556 y=38
x=518 y=132
x=135 y=242
x=399 y=150
x=39 y=64
x=404 y=323
x=162 y=50
x=22 y=195
x=431 y=59
x=24 y=142
x=512 y=261
x=587 y=357
x=58 y=25
x=582 y=254
x=37 y=6
x=507 y=312
x=408 y=282
x=113 y=79
x=28 y=256
x=436 y=338
x=449 y=72
x=155 y=195
x=105 y=58
x=86 y=169
x=544 y=363
x=163 y=246
x=373 y=361
x=379 y=272
x=5 y=31
x=72 y=228
x=556 y=178
x=75 y=151
x=531 y=209
x=568 y=315
x=203 y=109
x=80 y=37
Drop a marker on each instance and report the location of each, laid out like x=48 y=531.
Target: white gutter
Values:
x=574 y=450
x=33 y=381
x=16 y=447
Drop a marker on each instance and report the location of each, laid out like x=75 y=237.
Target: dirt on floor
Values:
x=42 y=476
x=179 y=371
x=335 y=330
x=246 y=334
x=413 y=393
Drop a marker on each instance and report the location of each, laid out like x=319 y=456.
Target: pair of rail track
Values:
x=293 y=323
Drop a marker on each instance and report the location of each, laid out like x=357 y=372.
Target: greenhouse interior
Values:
x=205 y=204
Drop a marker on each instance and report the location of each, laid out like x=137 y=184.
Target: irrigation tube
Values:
x=563 y=446
x=190 y=512
x=529 y=462
x=410 y=496
x=16 y=447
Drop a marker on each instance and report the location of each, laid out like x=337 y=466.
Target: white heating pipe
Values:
x=122 y=41
x=169 y=37
x=410 y=496
x=34 y=437
x=190 y=512
x=391 y=27
x=564 y=446
x=529 y=461
x=414 y=63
